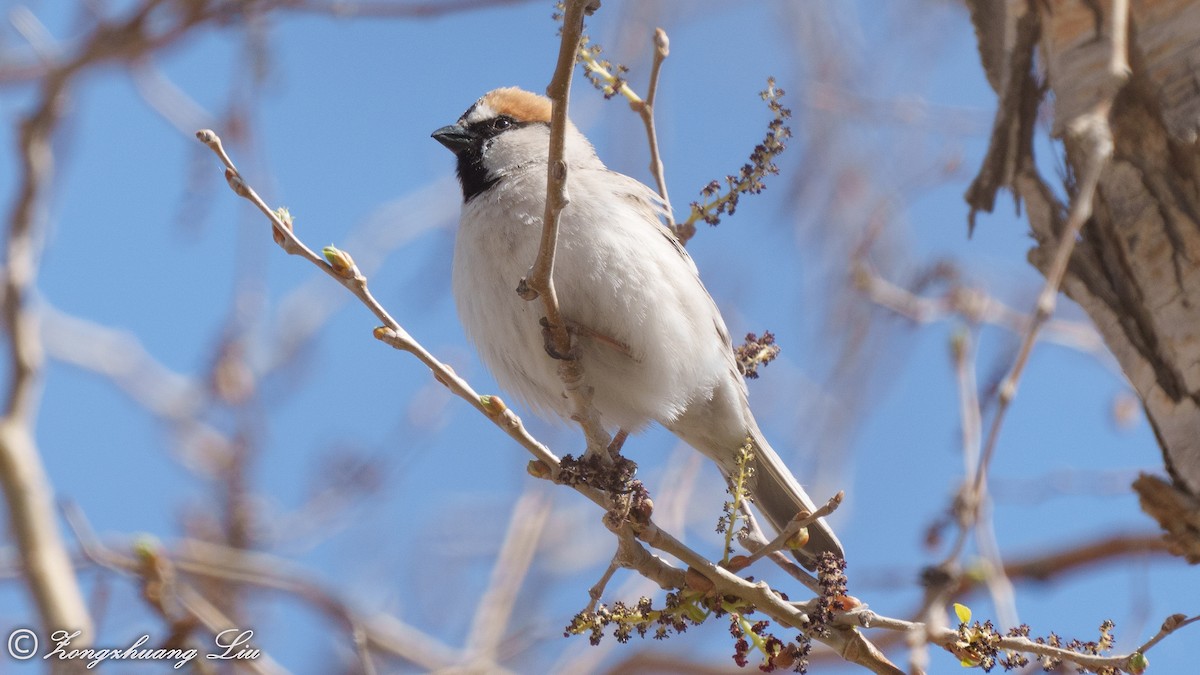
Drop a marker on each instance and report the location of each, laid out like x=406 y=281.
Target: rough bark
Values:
x=1135 y=267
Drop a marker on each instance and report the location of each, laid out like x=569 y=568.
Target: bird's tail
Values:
x=718 y=426
x=779 y=498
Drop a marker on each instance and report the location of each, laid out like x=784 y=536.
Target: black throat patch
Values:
x=472 y=175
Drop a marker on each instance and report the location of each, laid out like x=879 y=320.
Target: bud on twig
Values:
x=341 y=262
x=799 y=539
x=662 y=43
x=284 y=217
x=538 y=469
x=737 y=563
x=492 y=405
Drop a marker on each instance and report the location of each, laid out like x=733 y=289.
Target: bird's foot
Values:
x=548 y=342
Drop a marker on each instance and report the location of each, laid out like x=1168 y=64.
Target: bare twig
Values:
x=1094 y=133
x=974 y=305
x=597 y=590
x=218 y=624
x=963 y=353
x=391 y=332
x=780 y=541
x=645 y=109
x=539 y=282
x=1089 y=129
x=214 y=561
x=27 y=490
x=601 y=74
x=508 y=574
x=1172 y=624
x=946 y=639
x=755 y=539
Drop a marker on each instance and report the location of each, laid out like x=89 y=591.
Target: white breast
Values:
x=663 y=343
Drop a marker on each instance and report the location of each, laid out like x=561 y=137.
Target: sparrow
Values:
x=652 y=344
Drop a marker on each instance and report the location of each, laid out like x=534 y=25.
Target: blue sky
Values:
x=892 y=117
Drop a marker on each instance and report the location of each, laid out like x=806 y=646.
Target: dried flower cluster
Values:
x=749 y=179
x=777 y=654
x=754 y=352
x=614 y=476
x=978 y=645
x=699 y=599
x=831 y=573
x=738 y=489
x=608 y=78
x=675 y=617
x=1093 y=647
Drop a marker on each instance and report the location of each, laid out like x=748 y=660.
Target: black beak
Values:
x=455 y=137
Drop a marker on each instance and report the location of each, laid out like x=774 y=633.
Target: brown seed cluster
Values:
x=748 y=179
x=755 y=351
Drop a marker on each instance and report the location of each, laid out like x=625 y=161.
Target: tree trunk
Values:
x=1133 y=66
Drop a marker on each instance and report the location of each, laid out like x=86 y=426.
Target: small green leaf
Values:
x=1138 y=663
x=962 y=612
x=968 y=663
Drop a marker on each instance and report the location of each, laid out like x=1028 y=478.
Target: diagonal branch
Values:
x=1092 y=130
x=512 y=566
x=848 y=642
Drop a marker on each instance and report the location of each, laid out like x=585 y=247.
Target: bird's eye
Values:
x=502 y=123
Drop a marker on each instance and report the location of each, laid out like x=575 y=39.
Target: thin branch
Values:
x=791 y=529
x=27 y=488
x=215 y=561
x=391 y=333
x=611 y=84
x=213 y=619
x=1093 y=131
x=597 y=590
x=975 y=306
x=946 y=639
x=512 y=565
x=645 y=109
x=539 y=281
x=1172 y=624
x=1075 y=557
x=755 y=539
x=1001 y=589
